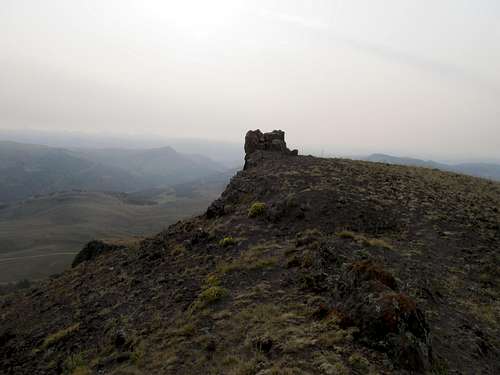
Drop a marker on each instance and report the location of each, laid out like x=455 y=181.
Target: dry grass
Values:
x=60 y=335
x=227 y=242
x=208 y=297
x=256 y=257
x=364 y=240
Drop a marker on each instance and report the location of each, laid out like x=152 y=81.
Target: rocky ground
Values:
x=303 y=266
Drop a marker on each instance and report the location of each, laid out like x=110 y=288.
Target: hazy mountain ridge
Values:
x=484 y=170
x=226 y=153
x=29 y=170
x=158 y=167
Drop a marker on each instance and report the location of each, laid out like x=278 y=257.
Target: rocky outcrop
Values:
x=92 y=250
x=258 y=145
x=387 y=318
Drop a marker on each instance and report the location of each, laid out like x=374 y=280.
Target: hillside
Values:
x=28 y=170
x=158 y=167
x=484 y=170
x=228 y=154
x=302 y=266
x=41 y=236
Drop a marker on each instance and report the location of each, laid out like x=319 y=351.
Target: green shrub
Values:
x=257 y=209
x=212 y=294
x=208 y=297
x=212 y=280
x=359 y=363
x=227 y=241
x=346 y=234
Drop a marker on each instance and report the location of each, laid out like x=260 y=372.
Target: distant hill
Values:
x=28 y=170
x=484 y=170
x=229 y=154
x=155 y=167
x=40 y=236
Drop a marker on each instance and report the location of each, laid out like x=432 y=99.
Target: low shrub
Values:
x=212 y=280
x=346 y=234
x=208 y=297
x=227 y=241
x=359 y=363
x=257 y=209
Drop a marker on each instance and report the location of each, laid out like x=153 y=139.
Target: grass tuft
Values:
x=257 y=209
x=60 y=335
x=365 y=241
x=227 y=242
x=208 y=297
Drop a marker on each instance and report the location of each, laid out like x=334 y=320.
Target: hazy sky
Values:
x=419 y=77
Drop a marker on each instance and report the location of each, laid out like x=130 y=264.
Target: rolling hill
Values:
x=40 y=236
x=484 y=170
x=157 y=167
x=29 y=170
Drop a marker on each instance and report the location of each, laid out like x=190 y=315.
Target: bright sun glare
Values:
x=202 y=18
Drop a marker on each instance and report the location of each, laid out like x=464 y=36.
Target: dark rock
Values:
x=286 y=208
x=410 y=353
x=216 y=209
x=293 y=263
x=387 y=319
x=263 y=344
x=92 y=250
x=321 y=312
x=5 y=338
x=367 y=270
x=211 y=345
x=200 y=236
x=120 y=339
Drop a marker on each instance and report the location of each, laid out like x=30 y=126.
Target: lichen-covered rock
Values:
x=386 y=318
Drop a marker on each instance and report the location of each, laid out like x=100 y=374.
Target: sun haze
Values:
x=414 y=78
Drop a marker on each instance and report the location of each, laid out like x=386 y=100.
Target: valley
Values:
x=41 y=235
